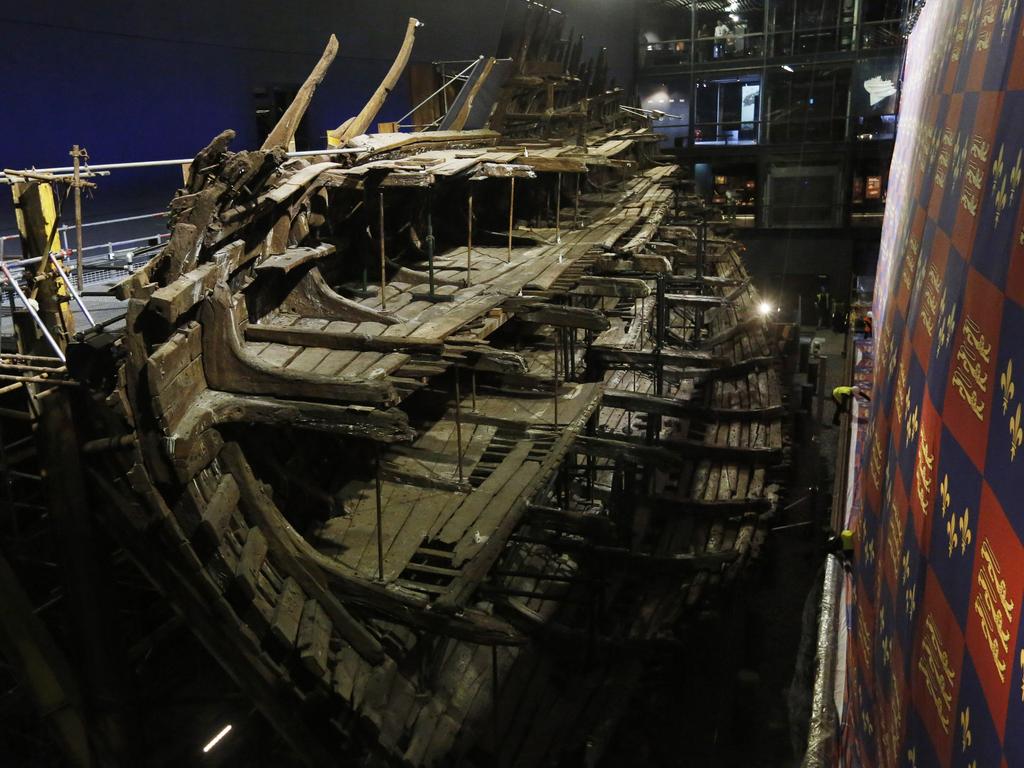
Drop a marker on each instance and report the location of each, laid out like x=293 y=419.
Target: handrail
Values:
x=32 y=311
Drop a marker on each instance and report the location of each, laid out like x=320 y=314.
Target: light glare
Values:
x=217 y=738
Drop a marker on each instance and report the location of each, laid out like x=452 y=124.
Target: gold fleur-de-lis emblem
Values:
x=944 y=495
x=1022 y=674
x=965 y=531
x=905 y=573
x=911 y=596
x=886 y=650
x=1002 y=199
x=912 y=425
x=912 y=757
x=1016 y=433
x=965 y=727
x=1006 y=384
x=959 y=532
x=997 y=168
x=1015 y=175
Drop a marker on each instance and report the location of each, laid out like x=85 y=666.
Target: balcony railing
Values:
x=795 y=41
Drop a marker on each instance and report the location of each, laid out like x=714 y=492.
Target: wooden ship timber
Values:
x=436 y=443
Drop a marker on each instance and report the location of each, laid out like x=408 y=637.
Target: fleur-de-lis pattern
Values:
x=913 y=423
x=1016 y=433
x=1006 y=384
x=958 y=532
x=950 y=322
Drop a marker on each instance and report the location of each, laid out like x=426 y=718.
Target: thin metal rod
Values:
x=494 y=700
x=183 y=161
x=458 y=422
x=71 y=289
x=76 y=155
x=430 y=243
x=558 y=351
x=576 y=211
x=473 y=386
x=439 y=90
x=35 y=315
x=511 y=215
x=558 y=210
x=380 y=513
x=469 y=241
x=383 y=256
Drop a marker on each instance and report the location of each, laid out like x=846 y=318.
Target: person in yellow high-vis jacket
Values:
x=842 y=396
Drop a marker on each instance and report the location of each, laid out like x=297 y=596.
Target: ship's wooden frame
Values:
x=431 y=488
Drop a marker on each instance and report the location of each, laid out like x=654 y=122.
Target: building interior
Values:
x=512 y=383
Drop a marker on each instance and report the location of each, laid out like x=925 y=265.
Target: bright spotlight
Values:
x=787 y=67
x=764 y=308
x=217 y=738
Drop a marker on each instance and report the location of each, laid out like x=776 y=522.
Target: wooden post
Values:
x=76 y=155
x=383 y=256
x=511 y=215
x=458 y=422
x=469 y=246
x=558 y=209
x=380 y=513
x=473 y=385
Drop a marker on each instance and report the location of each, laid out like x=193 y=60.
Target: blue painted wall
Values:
x=151 y=80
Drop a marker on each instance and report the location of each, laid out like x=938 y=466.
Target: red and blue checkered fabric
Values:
x=936 y=646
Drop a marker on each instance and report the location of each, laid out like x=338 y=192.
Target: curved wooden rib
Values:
x=396 y=604
x=229 y=367
x=284 y=131
x=313 y=297
x=213 y=407
x=358 y=125
x=460 y=120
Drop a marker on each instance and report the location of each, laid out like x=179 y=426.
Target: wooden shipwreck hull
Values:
x=431 y=487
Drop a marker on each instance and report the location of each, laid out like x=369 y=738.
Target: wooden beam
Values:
x=363 y=342
x=284 y=132
x=356 y=126
x=667 y=406
x=394 y=603
x=670 y=454
x=609 y=354
x=229 y=367
x=632 y=559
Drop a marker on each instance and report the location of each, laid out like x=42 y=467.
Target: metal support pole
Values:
x=458 y=422
x=74 y=294
x=659 y=313
x=469 y=241
x=558 y=209
x=430 y=243
x=380 y=513
x=511 y=215
x=383 y=256
x=473 y=385
x=494 y=701
x=558 y=344
x=76 y=155
x=35 y=315
x=576 y=210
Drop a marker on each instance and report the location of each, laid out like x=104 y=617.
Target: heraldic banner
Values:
x=936 y=646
